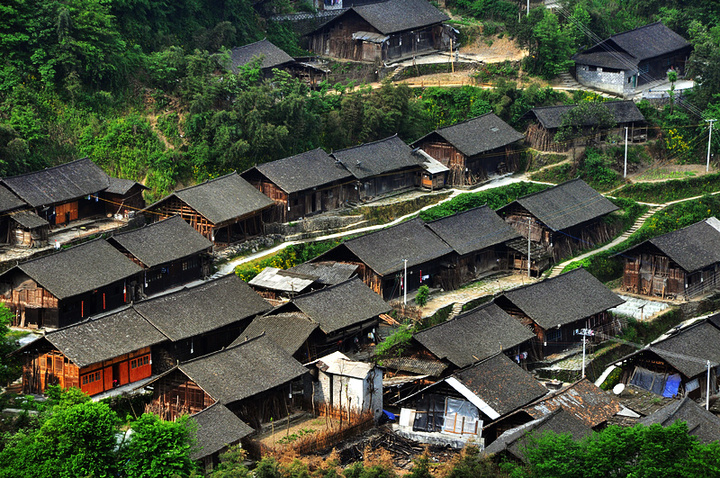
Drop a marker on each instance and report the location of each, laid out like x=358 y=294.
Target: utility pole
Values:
x=626 y=135
x=707 y=166
x=528 y=9
x=707 y=398
x=528 y=247
x=405 y=283
x=585 y=333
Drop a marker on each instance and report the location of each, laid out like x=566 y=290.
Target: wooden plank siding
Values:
x=543 y=139
x=466 y=170
x=175 y=395
x=297 y=205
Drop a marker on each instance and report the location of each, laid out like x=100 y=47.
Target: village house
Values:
x=11 y=206
x=475 y=149
x=683 y=263
x=701 y=423
x=272 y=57
x=545 y=121
x=341 y=317
x=123 y=197
x=341 y=4
x=563 y=219
x=303 y=185
x=225 y=209
x=454 y=410
x=170 y=252
x=556 y=308
x=255 y=379
x=217 y=429
x=382 y=256
x=384 y=31
x=62 y=288
x=623 y=62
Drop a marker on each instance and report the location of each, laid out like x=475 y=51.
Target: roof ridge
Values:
x=207 y=181
x=464 y=121
x=74 y=246
x=53 y=167
x=634 y=29
x=333 y=286
x=460 y=213
x=371 y=142
x=549 y=189
x=253 y=43
x=145 y=226
x=549 y=279
x=462 y=315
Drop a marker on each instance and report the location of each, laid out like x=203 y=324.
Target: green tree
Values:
x=550 y=47
x=10 y=367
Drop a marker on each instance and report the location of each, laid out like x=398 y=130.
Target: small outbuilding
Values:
x=217 y=429
x=27 y=229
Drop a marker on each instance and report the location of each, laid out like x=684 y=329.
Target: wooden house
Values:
x=341 y=317
x=702 y=424
x=10 y=204
x=225 y=209
x=381 y=255
x=381 y=167
x=70 y=285
x=123 y=197
x=474 y=149
x=272 y=57
x=217 y=429
x=563 y=219
x=623 y=62
x=434 y=174
x=544 y=123
x=253 y=379
x=683 y=263
x=385 y=31
x=27 y=229
x=303 y=185
x=341 y=4
x=171 y=252
x=96 y=356
x=555 y=308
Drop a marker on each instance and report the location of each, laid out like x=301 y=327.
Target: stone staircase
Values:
x=567 y=81
x=456 y=310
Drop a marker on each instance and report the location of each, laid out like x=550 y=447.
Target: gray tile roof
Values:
x=121 y=186
x=563 y=299
x=473 y=230
x=606 y=59
x=105 y=337
x=551 y=117
x=379 y=157
x=398 y=15
x=287 y=330
x=9 y=201
x=59 y=184
x=478 y=135
x=340 y=306
x=304 y=171
x=327 y=273
x=474 y=335
x=196 y=310
x=79 y=269
x=565 y=205
x=272 y=56
x=433 y=368
x=384 y=250
x=501 y=383
x=217 y=427
x=162 y=241
x=222 y=199
x=700 y=422
x=242 y=371
x=29 y=219
x=689 y=349
x=692 y=248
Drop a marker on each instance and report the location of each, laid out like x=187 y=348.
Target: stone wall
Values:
x=618 y=82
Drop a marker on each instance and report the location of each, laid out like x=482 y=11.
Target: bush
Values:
x=394 y=345
x=421 y=297
x=662 y=192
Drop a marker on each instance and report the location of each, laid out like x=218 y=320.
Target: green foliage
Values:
x=646 y=331
x=395 y=344
x=550 y=48
x=290 y=256
x=595 y=168
x=421 y=297
x=671 y=190
x=10 y=367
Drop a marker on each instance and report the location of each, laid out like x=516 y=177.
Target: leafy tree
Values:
x=587 y=119
x=421 y=297
x=10 y=367
x=550 y=47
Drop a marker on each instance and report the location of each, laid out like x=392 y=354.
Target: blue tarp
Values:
x=671 y=386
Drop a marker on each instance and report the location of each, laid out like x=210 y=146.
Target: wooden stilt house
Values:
x=9 y=205
x=123 y=197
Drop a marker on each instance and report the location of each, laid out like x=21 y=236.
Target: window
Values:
x=554 y=335
x=592 y=68
x=140 y=361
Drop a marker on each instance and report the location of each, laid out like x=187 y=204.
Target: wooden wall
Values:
x=175 y=395
x=173 y=206
x=335 y=38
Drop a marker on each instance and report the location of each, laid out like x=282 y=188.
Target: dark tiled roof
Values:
x=29 y=220
x=433 y=368
x=196 y=310
x=565 y=205
x=473 y=230
x=399 y=15
x=478 y=135
x=379 y=157
x=384 y=250
x=162 y=241
x=341 y=306
x=217 y=427
x=61 y=183
x=501 y=383
x=105 y=337
x=474 y=335
x=79 y=269
x=583 y=399
x=698 y=343
x=692 y=248
x=700 y=422
x=9 y=201
x=121 y=186
x=606 y=59
x=272 y=56
x=327 y=273
x=239 y=372
x=563 y=299
x=287 y=330
x=304 y=171
x=551 y=117
x=222 y=199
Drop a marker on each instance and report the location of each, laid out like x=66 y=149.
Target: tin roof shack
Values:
x=555 y=308
x=201 y=319
x=340 y=317
x=123 y=197
x=683 y=263
x=701 y=423
x=217 y=429
x=453 y=411
x=96 y=356
x=346 y=385
x=381 y=167
x=479 y=238
x=563 y=219
x=67 y=286
x=27 y=229
x=225 y=209
x=678 y=364
x=279 y=286
x=623 y=62
x=545 y=121
x=253 y=379
x=303 y=185
x=474 y=149
x=171 y=252
x=382 y=31
x=380 y=258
